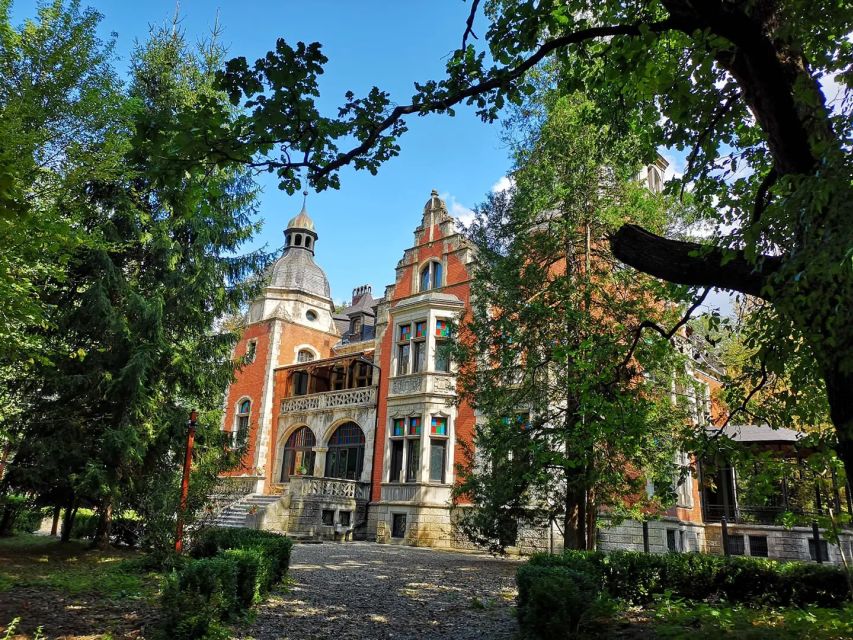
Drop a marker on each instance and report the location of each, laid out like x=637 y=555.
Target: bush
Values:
x=639 y=577
x=229 y=571
x=555 y=601
x=274 y=547
x=200 y=596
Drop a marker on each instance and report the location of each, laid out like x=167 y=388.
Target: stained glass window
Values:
x=438 y=426
x=420 y=329
x=245 y=406
x=442 y=328
x=414 y=426
x=399 y=428
x=405 y=332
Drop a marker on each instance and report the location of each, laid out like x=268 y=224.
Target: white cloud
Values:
x=502 y=184
x=464 y=216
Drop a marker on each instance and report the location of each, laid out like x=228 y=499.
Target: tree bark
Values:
x=68 y=521
x=691 y=263
x=54 y=527
x=839 y=392
x=105 y=518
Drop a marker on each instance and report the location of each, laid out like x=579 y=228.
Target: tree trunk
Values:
x=7 y=520
x=68 y=521
x=54 y=527
x=105 y=519
x=574 y=518
x=839 y=392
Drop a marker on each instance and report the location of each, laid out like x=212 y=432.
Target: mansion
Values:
x=354 y=430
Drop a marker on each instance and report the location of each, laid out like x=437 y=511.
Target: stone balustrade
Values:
x=364 y=396
x=335 y=487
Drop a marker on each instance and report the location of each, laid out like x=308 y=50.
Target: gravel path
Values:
x=364 y=590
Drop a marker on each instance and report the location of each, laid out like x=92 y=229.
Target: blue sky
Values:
x=365 y=226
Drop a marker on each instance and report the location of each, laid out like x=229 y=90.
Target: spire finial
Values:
x=304 y=199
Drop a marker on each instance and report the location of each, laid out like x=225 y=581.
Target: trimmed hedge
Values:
x=228 y=571
x=558 y=592
x=556 y=601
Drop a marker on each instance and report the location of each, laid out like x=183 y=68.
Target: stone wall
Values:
x=426 y=525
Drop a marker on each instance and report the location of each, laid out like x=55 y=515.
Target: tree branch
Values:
x=648 y=324
x=469 y=25
x=691 y=263
x=497 y=80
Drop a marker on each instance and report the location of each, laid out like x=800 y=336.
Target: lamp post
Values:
x=185 y=481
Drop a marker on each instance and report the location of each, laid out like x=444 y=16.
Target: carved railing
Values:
x=334 y=487
x=363 y=396
x=399 y=492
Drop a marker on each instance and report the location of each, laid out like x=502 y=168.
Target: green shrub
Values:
x=29 y=519
x=639 y=577
x=229 y=570
x=252 y=582
x=200 y=596
x=555 y=601
x=85 y=523
x=274 y=547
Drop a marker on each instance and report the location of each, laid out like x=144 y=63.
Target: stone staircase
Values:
x=245 y=512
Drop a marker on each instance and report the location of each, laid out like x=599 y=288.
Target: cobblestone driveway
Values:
x=364 y=590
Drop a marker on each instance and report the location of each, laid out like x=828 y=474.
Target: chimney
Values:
x=359 y=292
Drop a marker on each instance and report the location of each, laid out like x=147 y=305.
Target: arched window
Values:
x=304 y=355
x=298 y=240
x=298 y=458
x=431 y=276
x=345 y=457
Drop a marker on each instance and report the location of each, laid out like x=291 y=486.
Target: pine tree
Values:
x=132 y=332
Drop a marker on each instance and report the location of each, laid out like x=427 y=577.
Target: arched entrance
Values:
x=345 y=457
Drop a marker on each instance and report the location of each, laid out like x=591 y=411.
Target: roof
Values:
x=301 y=221
x=759 y=433
x=296 y=270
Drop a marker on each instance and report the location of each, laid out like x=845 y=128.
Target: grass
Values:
x=677 y=619
x=28 y=560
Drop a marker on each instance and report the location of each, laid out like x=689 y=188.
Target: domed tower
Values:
x=297 y=289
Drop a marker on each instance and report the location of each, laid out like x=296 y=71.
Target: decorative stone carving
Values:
x=399 y=492
x=409 y=384
x=331 y=487
x=443 y=384
x=364 y=396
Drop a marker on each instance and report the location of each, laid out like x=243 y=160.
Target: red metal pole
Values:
x=185 y=481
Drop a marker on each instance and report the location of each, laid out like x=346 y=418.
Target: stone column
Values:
x=320 y=461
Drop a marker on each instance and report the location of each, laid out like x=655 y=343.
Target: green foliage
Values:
x=230 y=570
x=639 y=577
x=130 y=344
x=576 y=412
x=679 y=619
x=274 y=548
x=558 y=601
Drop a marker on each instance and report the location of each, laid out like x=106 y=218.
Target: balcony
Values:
x=306 y=486
x=328 y=400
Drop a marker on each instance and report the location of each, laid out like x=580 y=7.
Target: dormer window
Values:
x=431 y=276
x=355 y=326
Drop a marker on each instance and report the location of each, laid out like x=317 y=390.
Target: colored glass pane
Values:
x=244 y=406
x=438 y=426
x=405 y=332
x=399 y=427
x=414 y=426
x=442 y=328
x=420 y=329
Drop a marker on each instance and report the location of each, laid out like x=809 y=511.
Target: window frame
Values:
x=434 y=272
x=242 y=418
x=251 y=351
x=287 y=462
